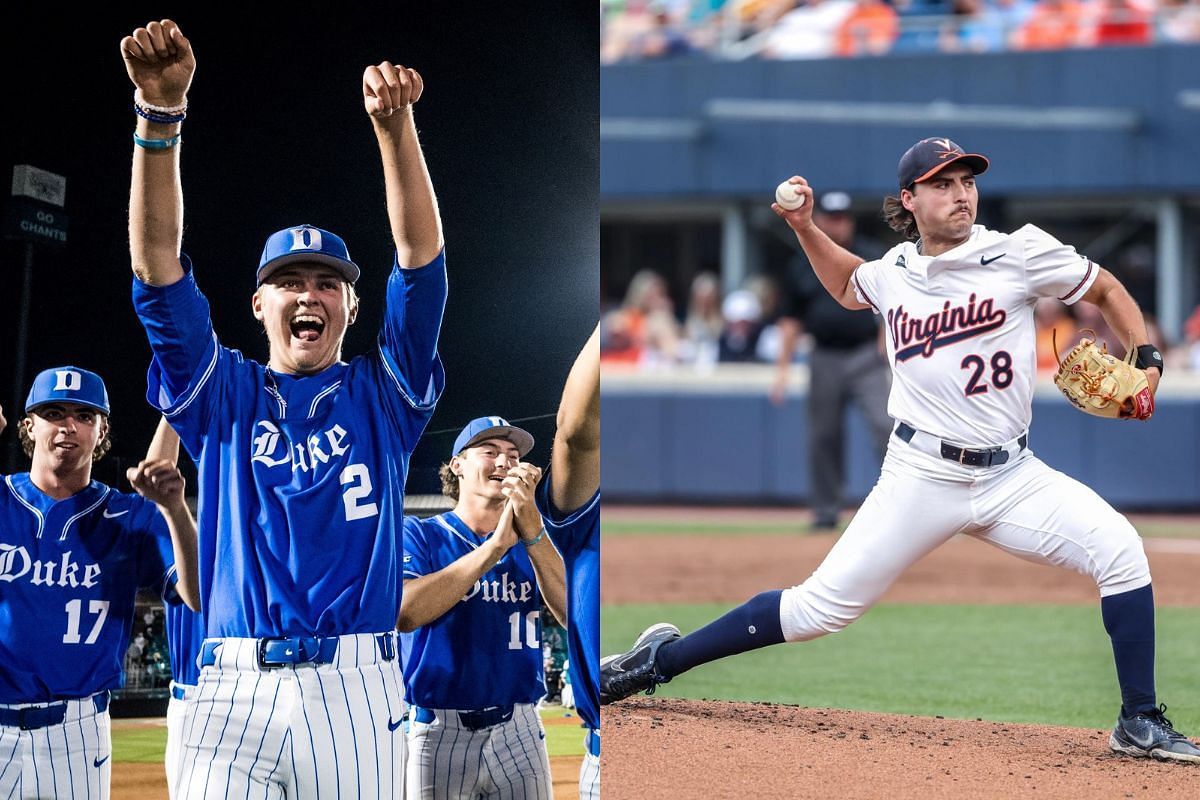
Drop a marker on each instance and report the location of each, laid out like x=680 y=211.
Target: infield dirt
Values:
x=684 y=749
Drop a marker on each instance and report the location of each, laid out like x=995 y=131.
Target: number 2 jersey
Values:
x=69 y=573
x=486 y=651
x=961 y=338
x=300 y=479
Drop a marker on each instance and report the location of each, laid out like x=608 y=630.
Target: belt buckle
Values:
x=962 y=456
x=262 y=652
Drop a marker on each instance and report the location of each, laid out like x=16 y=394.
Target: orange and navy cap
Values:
x=928 y=157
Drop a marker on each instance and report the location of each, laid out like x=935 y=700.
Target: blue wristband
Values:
x=156 y=144
x=162 y=119
x=534 y=540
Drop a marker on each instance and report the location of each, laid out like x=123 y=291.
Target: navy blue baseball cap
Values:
x=928 y=157
x=484 y=428
x=68 y=385
x=306 y=243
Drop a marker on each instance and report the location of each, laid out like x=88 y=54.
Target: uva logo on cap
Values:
x=306 y=239
x=949 y=148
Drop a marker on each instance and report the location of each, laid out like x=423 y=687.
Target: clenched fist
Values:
x=160 y=62
x=388 y=88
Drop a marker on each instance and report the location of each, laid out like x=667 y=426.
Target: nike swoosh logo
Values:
x=393 y=725
x=984 y=260
x=114 y=516
x=97 y=762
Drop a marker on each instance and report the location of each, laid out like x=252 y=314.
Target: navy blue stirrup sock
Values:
x=1129 y=620
x=752 y=625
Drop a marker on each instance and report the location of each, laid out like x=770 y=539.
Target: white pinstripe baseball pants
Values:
x=70 y=759
x=447 y=761
x=310 y=731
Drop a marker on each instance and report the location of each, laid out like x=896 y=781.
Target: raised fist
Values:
x=160 y=62
x=388 y=88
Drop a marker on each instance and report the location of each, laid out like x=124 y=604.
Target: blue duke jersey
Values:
x=185 y=635
x=69 y=573
x=961 y=332
x=577 y=537
x=486 y=651
x=300 y=479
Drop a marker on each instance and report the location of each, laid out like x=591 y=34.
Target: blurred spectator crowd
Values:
x=637 y=30
x=650 y=330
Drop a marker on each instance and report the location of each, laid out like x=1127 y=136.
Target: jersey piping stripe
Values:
x=258 y=752
x=242 y=738
x=1078 y=286
x=574 y=516
x=190 y=395
x=41 y=520
x=430 y=392
x=442 y=521
x=312 y=409
x=857 y=285
x=86 y=511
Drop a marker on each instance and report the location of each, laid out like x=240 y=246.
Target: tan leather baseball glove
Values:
x=1101 y=384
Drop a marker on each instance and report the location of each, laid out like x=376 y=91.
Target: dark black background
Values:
x=276 y=135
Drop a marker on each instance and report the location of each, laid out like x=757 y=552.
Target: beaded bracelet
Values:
x=157 y=144
x=534 y=540
x=140 y=101
x=162 y=119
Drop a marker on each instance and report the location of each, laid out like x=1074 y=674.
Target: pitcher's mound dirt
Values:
x=683 y=749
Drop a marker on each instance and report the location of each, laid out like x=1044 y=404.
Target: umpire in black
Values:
x=846 y=363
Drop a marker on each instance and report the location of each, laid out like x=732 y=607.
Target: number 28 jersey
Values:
x=960 y=330
x=300 y=479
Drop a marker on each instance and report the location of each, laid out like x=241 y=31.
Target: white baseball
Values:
x=788 y=196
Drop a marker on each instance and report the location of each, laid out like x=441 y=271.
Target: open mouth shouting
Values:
x=307 y=327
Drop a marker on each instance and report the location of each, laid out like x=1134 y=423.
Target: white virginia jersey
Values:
x=960 y=328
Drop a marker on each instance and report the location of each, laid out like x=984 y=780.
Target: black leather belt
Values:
x=471 y=720
x=988 y=457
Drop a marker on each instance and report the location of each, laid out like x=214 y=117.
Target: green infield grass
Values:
x=1038 y=663
x=149 y=744
x=693 y=524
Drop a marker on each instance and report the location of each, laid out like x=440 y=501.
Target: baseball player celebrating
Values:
x=73 y=553
x=471 y=623
x=958 y=307
x=569 y=499
x=184 y=628
x=301 y=461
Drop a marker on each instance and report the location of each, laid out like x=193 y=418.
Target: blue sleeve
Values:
x=156 y=564
x=412 y=321
x=416 y=550
x=179 y=328
x=571 y=533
